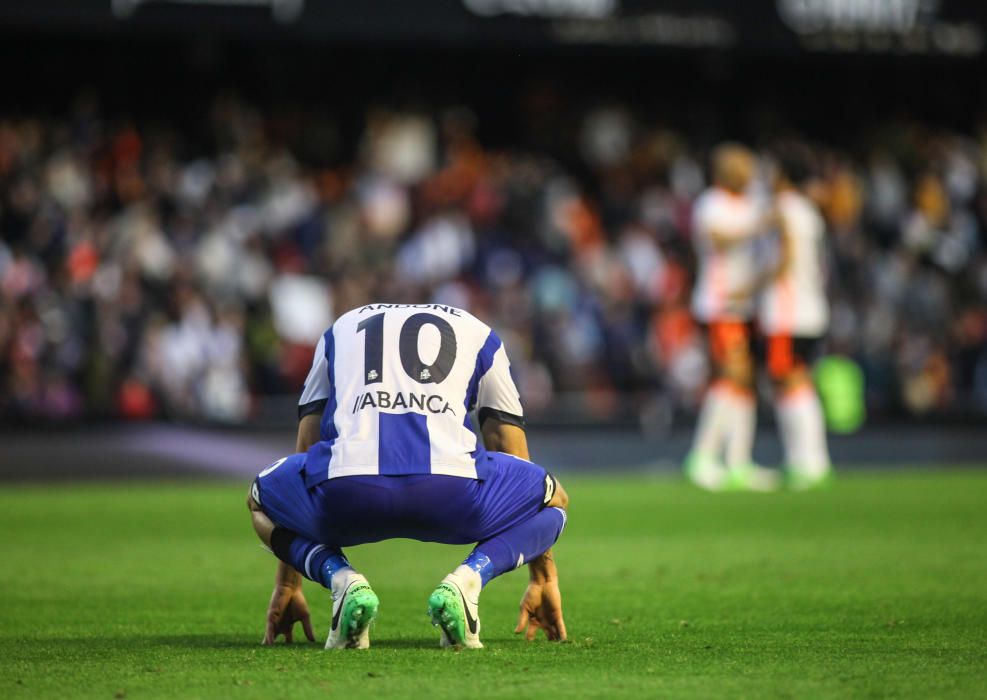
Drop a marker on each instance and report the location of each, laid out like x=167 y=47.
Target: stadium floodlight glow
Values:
x=898 y=16
x=586 y=9
x=914 y=26
x=284 y=11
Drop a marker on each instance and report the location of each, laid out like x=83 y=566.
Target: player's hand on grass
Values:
x=541 y=609
x=287 y=607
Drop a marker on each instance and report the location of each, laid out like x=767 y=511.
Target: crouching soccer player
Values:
x=387 y=450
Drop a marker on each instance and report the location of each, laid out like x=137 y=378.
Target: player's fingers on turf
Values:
x=274 y=628
x=550 y=633
x=307 y=626
x=522 y=621
x=553 y=631
x=556 y=625
x=532 y=630
x=563 y=635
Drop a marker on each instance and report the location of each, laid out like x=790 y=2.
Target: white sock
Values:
x=742 y=421
x=803 y=432
x=339 y=578
x=714 y=418
x=787 y=428
x=471 y=581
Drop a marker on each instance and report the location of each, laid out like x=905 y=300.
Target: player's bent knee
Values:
x=560 y=499
x=252 y=504
x=263 y=525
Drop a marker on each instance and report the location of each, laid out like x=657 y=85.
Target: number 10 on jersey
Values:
x=411 y=361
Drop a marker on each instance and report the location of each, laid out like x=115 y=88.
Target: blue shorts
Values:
x=353 y=510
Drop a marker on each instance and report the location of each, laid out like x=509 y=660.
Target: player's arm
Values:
x=785 y=249
x=287 y=605
x=723 y=240
x=782 y=265
x=499 y=404
x=508 y=438
x=725 y=232
x=315 y=396
x=309 y=432
x=541 y=605
x=727 y=235
x=502 y=428
x=502 y=419
x=772 y=221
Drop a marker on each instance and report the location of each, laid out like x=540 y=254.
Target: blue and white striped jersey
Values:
x=396 y=384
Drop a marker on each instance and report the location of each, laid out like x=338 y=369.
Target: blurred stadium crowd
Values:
x=145 y=273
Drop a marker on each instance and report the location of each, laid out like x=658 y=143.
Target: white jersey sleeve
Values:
x=497 y=395
x=315 y=393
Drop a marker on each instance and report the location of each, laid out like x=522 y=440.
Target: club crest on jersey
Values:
x=400 y=400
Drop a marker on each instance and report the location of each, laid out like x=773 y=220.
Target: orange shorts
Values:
x=784 y=353
x=727 y=338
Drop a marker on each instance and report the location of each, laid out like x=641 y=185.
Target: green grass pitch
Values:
x=877 y=587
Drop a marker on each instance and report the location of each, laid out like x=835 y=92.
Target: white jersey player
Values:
x=793 y=316
x=727 y=222
x=794 y=302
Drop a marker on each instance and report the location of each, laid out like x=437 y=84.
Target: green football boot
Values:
x=456 y=612
x=352 y=612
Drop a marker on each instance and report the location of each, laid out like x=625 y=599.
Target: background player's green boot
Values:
x=802 y=480
x=753 y=477
x=705 y=472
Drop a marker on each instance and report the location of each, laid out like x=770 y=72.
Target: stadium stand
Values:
x=148 y=269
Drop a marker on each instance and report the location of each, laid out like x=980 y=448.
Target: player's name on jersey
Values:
x=451 y=310
x=385 y=399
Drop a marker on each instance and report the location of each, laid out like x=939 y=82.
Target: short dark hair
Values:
x=794 y=165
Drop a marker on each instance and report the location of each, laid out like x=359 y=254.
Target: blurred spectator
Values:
x=144 y=276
